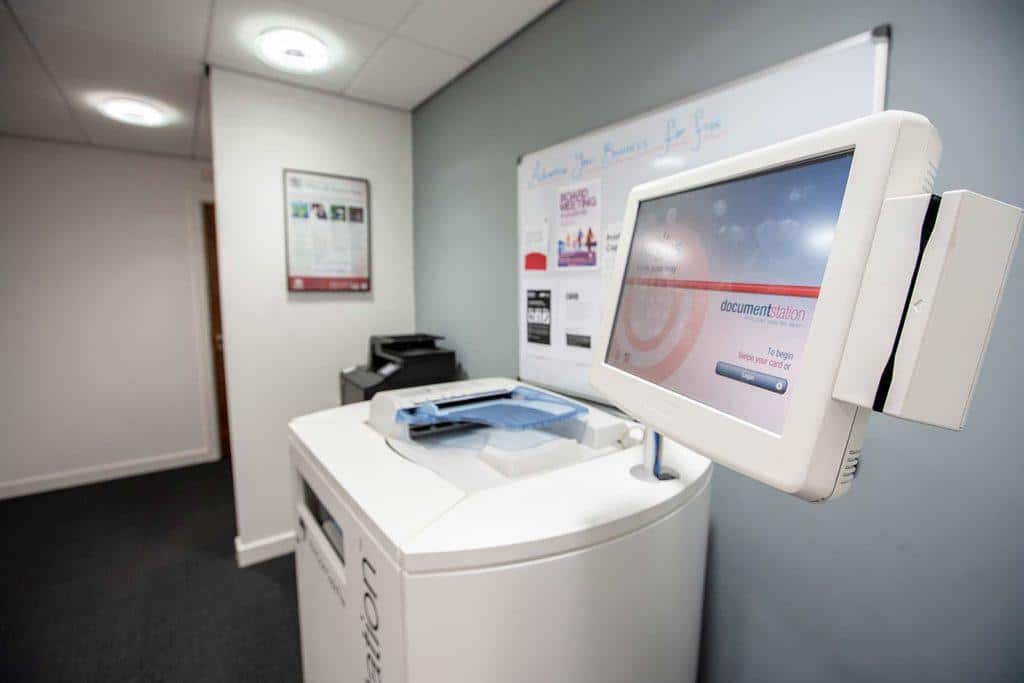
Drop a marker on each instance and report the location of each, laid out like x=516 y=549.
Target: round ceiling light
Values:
x=133 y=112
x=292 y=50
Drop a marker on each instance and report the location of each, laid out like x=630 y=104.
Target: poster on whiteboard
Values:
x=579 y=222
x=327 y=227
x=572 y=196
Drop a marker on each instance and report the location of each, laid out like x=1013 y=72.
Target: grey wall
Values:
x=917 y=573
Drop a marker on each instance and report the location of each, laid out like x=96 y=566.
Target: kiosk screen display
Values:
x=721 y=285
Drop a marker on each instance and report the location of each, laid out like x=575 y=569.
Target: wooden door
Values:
x=216 y=332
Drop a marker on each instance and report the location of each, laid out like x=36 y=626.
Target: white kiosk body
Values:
x=444 y=562
x=764 y=306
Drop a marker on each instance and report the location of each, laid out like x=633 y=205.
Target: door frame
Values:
x=211 y=262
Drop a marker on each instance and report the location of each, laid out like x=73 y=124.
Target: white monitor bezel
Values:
x=891 y=156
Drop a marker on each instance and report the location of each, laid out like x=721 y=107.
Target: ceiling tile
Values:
x=90 y=68
x=403 y=74
x=237 y=23
x=470 y=28
x=175 y=27
x=382 y=14
x=31 y=104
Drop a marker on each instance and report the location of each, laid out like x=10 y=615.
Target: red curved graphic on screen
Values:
x=682 y=347
x=697 y=265
x=650 y=343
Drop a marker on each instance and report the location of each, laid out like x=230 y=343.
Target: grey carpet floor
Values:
x=135 y=580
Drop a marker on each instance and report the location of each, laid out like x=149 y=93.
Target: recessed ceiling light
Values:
x=292 y=50
x=134 y=112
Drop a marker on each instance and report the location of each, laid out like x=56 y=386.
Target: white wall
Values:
x=106 y=368
x=283 y=351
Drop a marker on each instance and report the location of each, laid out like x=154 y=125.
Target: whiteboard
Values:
x=572 y=196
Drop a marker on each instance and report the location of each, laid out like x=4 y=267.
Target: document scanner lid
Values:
x=433 y=518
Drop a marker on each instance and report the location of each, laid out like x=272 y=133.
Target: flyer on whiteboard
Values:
x=581 y=315
x=579 y=224
x=538 y=316
x=535 y=246
x=327 y=220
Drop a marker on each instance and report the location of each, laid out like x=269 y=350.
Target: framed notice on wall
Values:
x=327 y=232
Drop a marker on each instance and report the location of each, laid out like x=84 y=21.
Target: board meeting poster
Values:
x=327 y=226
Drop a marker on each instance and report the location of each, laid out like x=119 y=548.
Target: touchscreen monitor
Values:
x=721 y=284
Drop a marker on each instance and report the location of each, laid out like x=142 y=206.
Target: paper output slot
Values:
x=325 y=523
x=477 y=398
x=421 y=431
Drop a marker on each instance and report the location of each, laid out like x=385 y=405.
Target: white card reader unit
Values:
x=765 y=304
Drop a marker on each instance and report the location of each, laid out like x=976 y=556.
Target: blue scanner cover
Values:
x=522 y=409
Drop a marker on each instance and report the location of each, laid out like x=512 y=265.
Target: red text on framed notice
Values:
x=327 y=232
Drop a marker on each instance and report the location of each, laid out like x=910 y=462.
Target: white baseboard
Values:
x=90 y=475
x=264 y=548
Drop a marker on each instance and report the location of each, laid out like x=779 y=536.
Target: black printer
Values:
x=398 y=361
